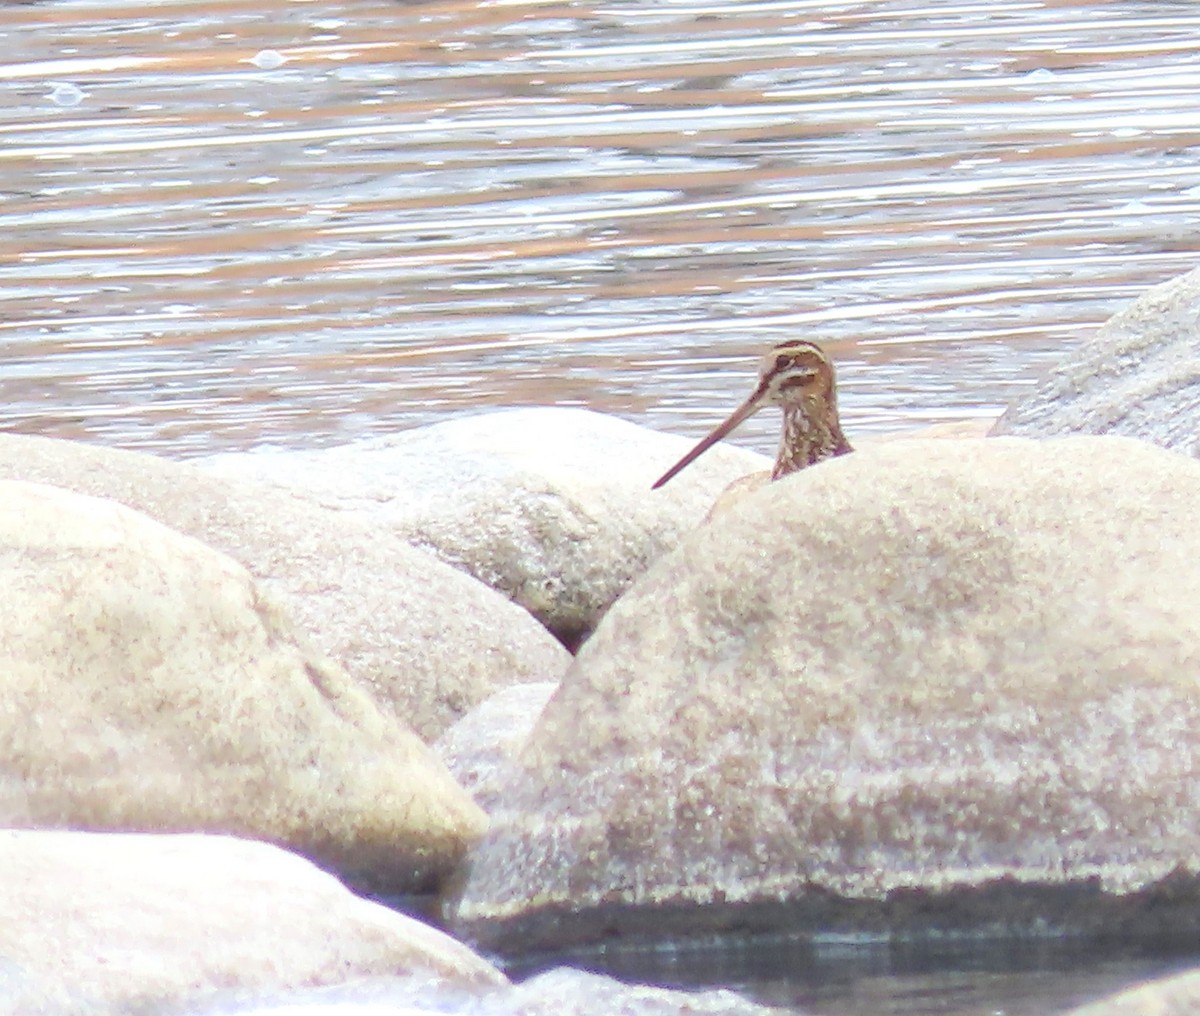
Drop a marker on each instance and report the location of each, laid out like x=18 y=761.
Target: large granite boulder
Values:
x=949 y=684
x=149 y=685
x=550 y=506
x=93 y=923
x=424 y=640
x=1138 y=376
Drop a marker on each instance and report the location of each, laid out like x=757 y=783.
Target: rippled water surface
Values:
x=248 y=221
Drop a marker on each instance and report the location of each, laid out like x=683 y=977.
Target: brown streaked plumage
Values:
x=799 y=378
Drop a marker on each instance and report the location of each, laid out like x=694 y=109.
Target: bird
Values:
x=798 y=377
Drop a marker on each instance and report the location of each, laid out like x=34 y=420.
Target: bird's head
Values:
x=793 y=374
x=796 y=376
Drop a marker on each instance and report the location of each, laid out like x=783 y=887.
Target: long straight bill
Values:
x=736 y=418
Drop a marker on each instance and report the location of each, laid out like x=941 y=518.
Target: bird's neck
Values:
x=811 y=432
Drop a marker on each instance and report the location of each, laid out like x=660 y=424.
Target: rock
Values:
x=931 y=684
x=567 y=992
x=140 y=923
x=1178 y=995
x=955 y=430
x=1138 y=376
x=946 y=430
x=427 y=642
x=148 y=685
x=476 y=748
x=22 y=994
x=562 y=992
x=550 y=506
x=741 y=488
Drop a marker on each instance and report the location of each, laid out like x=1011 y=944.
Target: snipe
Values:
x=799 y=378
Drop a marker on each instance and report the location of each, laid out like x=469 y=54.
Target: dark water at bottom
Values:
x=980 y=977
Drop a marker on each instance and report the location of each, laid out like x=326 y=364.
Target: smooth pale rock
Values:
x=1168 y=996
x=148 y=685
x=1138 y=376
x=22 y=994
x=956 y=671
x=947 y=430
x=476 y=748
x=559 y=992
x=139 y=923
x=550 y=506
x=567 y=992
x=426 y=641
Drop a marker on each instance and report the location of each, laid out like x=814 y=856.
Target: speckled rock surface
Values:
x=922 y=669
x=1138 y=376
x=149 y=685
x=476 y=748
x=139 y=924
x=424 y=640
x=550 y=506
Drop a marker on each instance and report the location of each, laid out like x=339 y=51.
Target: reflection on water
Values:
x=250 y=221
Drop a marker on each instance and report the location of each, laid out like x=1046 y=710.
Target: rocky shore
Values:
x=936 y=687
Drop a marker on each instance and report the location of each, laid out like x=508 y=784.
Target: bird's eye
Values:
x=782 y=361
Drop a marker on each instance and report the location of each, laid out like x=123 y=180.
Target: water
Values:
x=238 y=222
x=263 y=221
x=947 y=978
